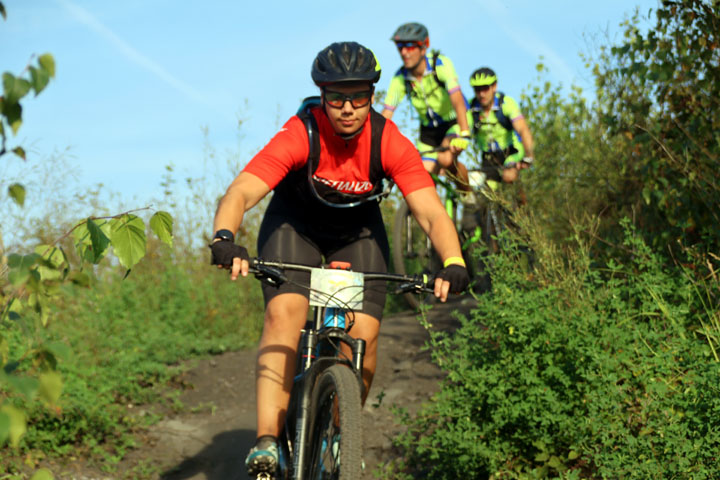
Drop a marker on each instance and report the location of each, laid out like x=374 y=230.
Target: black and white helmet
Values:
x=345 y=62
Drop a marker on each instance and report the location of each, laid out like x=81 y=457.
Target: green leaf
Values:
x=13 y=114
x=50 y=387
x=14 y=88
x=53 y=258
x=59 y=349
x=20 y=267
x=84 y=241
x=81 y=279
x=98 y=239
x=17 y=193
x=26 y=386
x=4 y=15
x=573 y=455
x=161 y=223
x=16 y=427
x=47 y=62
x=4 y=427
x=40 y=78
x=128 y=239
x=20 y=152
x=43 y=474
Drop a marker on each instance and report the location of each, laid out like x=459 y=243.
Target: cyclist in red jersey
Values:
x=326 y=209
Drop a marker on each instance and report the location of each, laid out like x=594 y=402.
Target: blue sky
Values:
x=138 y=81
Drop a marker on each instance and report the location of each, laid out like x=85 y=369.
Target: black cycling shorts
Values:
x=433 y=136
x=284 y=237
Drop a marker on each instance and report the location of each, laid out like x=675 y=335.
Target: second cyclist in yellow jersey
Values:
x=431 y=84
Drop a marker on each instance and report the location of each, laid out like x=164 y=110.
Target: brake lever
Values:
x=273 y=276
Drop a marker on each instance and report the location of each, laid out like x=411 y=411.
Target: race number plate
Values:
x=336 y=288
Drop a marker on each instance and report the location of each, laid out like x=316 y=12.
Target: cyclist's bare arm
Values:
x=458 y=103
x=242 y=194
x=521 y=127
x=432 y=218
x=387 y=113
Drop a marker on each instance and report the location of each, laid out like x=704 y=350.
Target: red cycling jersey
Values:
x=344 y=165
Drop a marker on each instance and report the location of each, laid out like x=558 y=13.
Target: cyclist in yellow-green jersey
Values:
x=500 y=130
x=431 y=84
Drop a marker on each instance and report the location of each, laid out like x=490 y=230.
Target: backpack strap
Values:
x=377 y=126
x=499 y=114
x=502 y=119
x=435 y=55
x=433 y=63
x=312 y=130
x=475 y=112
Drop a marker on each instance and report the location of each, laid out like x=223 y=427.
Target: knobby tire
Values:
x=337 y=410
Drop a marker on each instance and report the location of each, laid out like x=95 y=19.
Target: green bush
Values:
x=126 y=339
x=593 y=375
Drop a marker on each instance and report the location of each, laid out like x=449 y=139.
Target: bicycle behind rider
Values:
x=431 y=84
x=311 y=219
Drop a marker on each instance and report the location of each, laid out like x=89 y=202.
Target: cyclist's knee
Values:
x=286 y=312
x=509 y=175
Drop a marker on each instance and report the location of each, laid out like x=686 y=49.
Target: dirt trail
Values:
x=209 y=439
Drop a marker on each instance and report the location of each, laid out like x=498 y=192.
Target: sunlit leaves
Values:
x=50 y=387
x=43 y=474
x=12 y=425
x=17 y=193
x=161 y=224
x=47 y=63
x=53 y=258
x=128 y=239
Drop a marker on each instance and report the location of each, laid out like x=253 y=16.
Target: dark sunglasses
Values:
x=482 y=88
x=408 y=45
x=357 y=99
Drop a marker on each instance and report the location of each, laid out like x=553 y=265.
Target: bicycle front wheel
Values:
x=412 y=251
x=336 y=435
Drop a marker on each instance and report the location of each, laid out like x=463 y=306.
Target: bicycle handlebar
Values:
x=272 y=272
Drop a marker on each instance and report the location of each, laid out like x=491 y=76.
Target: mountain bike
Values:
x=322 y=434
x=478 y=227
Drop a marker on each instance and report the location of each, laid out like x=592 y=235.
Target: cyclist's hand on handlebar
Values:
x=458 y=144
x=226 y=254
x=526 y=162
x=452 y=279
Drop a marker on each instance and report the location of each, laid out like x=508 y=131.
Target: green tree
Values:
x=660 y=91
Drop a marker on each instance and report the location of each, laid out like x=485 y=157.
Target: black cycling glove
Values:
x=224 y=251
x=457 y=275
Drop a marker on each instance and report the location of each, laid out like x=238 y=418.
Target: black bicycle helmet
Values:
x=482 y=77
x=345 y=62
x=412 y=32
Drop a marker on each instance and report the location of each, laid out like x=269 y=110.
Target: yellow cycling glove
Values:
x=461 y=142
